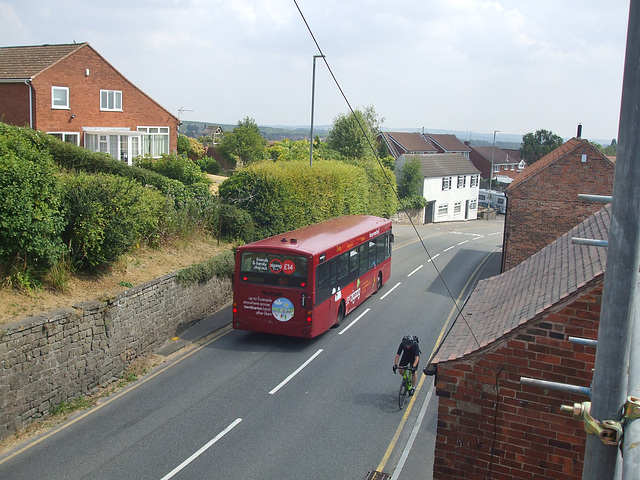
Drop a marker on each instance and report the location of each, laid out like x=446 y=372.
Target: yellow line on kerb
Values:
x=454 y=310
x=220 y=333
x=394 y=440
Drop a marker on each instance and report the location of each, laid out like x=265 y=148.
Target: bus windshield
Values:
x=273 y=269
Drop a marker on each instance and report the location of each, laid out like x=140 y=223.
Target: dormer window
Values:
x=60 y=98
x=111 y=100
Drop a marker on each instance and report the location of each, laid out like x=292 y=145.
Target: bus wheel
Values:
x=340 y=315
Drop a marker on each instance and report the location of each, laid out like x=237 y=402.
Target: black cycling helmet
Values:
x=407 y=340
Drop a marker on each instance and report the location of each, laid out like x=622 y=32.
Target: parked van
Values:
x=494 y=199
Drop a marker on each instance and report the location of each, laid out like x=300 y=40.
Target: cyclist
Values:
x=410 y=351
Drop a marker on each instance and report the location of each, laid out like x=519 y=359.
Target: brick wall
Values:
x=14 y=104
x=546 y=206
x=491 y=426
x=72 y=352
x=84 y=98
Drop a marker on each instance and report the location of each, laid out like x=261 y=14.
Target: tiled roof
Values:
x=514 y=154
x=564 y=149
x=443 y=164
x=500 y=304
x=499 y=157
x=407 y=142
x=449 y=142
x=17 y=63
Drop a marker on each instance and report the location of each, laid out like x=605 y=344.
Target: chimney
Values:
x=579 y=135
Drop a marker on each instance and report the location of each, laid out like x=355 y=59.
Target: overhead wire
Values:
x=344 y=96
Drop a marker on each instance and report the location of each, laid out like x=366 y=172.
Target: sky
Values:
x=512 y=66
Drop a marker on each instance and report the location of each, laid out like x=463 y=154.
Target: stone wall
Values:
x=415 y=214
x=64 y=354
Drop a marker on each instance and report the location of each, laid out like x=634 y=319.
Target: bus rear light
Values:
x=235 y=310
x=244 y=279
x=302 y=284
x=309 y=318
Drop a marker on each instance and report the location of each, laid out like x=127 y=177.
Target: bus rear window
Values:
x=273 y=269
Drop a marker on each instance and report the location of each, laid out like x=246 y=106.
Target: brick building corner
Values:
x=489 y=424
x=543 y=199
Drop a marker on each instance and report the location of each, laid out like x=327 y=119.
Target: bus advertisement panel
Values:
x=303 y=282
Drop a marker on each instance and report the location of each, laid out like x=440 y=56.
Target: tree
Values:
x=410 y=184
x=612 y=149
x=354 y=134
x=190 y=147
x=245 y=143
x=537 y=145
x=411 y=179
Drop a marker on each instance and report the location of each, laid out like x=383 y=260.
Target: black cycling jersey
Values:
x=408 y=355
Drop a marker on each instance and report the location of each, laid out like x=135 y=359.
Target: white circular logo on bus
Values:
x=282 y=309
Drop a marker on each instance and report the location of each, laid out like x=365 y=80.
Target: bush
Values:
x=107 y=215
x=283 y=196
x=209 y=165
x=74 y=158
x=174 y=166
x=236 y=224
x=31 y=218
x=221 y=266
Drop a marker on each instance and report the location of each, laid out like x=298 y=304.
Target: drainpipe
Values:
x=28 y=84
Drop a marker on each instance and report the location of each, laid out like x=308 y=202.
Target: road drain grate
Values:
x=373 y=475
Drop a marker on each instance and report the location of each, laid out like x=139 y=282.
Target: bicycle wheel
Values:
x=402 y=394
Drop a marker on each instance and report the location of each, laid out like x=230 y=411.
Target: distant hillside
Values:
x=194 y=129
x=280 y=132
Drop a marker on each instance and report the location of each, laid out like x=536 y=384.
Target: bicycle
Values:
x=405 y=385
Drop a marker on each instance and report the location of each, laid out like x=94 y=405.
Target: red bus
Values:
x=303 y=282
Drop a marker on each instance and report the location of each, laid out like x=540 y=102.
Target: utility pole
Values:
x=313 y=94
x=493 y=151
x=617 y=367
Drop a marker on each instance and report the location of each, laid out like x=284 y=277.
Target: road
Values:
x=248 y=406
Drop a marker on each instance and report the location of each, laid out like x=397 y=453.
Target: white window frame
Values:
x=121 y=144
x=473 y=204
x=60 y=106
x=110 y=100
x=462 y=181
x=67 y=137
x=446 y=183
x=457 y=207
x=474 y=181
x=155 y=141
x=443 y=209
x=496 y=168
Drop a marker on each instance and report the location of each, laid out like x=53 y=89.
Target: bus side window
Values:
x=364 y=258
x=343 y=265
x=333 y=268
x=381 y=247
x=372 y=254
x=354 y=262
x=322 y=277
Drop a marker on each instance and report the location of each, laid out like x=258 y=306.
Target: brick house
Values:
x=490 y=425
x=402 y=143
x=450 y=185
x=448 y=143
x=405 y=143
x=505 y=164
x=543 y=199
x=71 y=92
